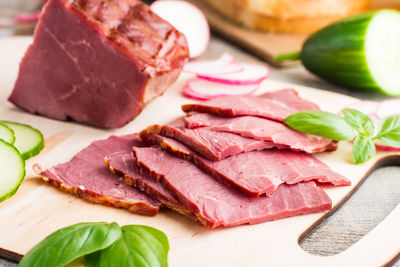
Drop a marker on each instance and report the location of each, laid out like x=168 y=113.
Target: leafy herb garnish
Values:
x=102 y=244
x=354 y=125
x=139 y=246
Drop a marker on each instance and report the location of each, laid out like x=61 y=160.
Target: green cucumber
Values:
x=7 y=134
x=360 y=52
x=29 y=141
x=12 y=166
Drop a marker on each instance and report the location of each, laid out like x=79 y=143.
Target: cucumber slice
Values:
x=28 y=140
x=361 y=52
x=12 y=167
x=382 y=50
x=6 y=134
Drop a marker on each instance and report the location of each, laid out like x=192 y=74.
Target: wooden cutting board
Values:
x=262 y=44
x=39 y=209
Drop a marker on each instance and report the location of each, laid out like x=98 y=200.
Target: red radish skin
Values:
x=251 y=74
x=203 y=90
x=223 y=65
x=387 y=148
x=187 y=19
x=27 y=17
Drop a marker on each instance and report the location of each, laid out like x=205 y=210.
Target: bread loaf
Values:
x=290 y=16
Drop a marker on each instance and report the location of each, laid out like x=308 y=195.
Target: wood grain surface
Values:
x=38 y=209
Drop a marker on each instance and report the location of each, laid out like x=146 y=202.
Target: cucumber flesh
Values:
x=29 y=141
x=382 y=50
x=12 y=167
x=7 y=134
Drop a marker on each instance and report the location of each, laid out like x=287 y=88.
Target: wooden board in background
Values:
x=265 y=45
x=39 y=209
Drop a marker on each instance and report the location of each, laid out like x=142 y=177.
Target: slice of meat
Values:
x=218 y=205
x=262 y=129
x=98 y=62
x=86 y=176
x=259 y=172
x=124 y=164
x=211 y=144
x=276 y=105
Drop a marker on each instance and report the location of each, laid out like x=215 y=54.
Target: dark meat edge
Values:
x=201 y=163
x=224 y=127
x=174 y=132
x=138 y=184
x=274 y=97
x=210 y=224
x=136 y=207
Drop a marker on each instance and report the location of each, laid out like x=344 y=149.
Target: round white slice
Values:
x=187 y=19
x=12 y=167
x=6 y=134
x=382 y=50
x=29 y=141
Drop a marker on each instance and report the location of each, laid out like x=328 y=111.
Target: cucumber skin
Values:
x=11 y=193
x=35 y=150
x=13 y=136
x=336 y=53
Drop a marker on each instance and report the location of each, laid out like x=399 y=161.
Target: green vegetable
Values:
x=101 y=244
x=389 y=130
x=359 y=121
x=138 y=246
x=355 y=124
x=363 y=149
x=70 y=243
x=361 y=52
x=12 y=166
x=29 y=141
x=321 y=123
x=6 y=134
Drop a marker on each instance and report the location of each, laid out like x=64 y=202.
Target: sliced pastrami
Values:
x=262 y=129
x=86 y=176
x=259 y=172
x=124 y=164
x=215 y=204
x=98 y=62
x=211 y=144
x=276 y=105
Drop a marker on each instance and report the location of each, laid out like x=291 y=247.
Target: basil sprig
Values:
x=354 y=125
x=102 y=244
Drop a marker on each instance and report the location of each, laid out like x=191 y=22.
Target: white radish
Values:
x=367 y=107
x=204 y=90
x=187 y=19
x=388 y=108
x=250 y=74
x=223 y=65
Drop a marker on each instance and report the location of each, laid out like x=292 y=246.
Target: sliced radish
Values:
x=251 y=74
x=187 y=19
x=383 y=147
x=204 y=90
x=27 y=17
x=223 y=65
x=388 y=107
x=368 y=107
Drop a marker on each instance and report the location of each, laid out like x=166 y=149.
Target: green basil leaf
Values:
x=359 y=121
x=139 y=246
x=363 y=149
x=389 y=130
x=70 y=243
x=321 y=123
